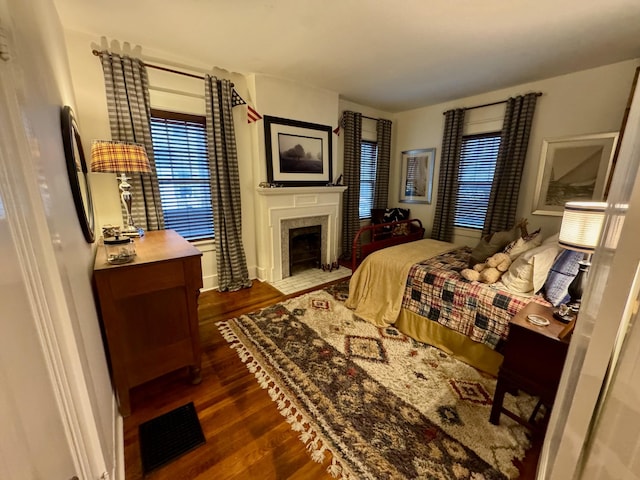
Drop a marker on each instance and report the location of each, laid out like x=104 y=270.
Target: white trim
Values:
x=27 y=222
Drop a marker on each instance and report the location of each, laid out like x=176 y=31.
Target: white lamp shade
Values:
x=581 y=225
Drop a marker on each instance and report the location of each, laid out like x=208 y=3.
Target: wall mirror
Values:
x=78 y=173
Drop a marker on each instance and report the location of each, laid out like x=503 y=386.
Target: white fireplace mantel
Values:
x=282 y=204
x=298 y=190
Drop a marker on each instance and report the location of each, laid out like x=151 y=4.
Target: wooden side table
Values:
x=533 y=361
x=149 y=311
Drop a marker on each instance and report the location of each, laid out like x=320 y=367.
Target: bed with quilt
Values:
x=418 y=287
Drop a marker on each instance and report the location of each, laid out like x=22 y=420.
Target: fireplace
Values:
x=304 y=248
x=289 y=227
x=281 y=210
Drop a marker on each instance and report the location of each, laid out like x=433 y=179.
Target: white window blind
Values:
x=368 y=166
x=475 y=176
x=180 y=151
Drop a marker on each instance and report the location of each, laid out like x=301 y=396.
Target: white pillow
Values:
x=521 y=245
x=529 y=271
x=552 y=238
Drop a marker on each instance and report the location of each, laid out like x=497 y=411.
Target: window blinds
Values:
x=475 y=176
x=368 y=166
x=182 y=164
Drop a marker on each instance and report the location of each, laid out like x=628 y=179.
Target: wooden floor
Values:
x=247 y=438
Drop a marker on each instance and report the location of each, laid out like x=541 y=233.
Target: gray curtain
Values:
x=503 y=201
x=448 y=176
x=352 y=123
x=127 y=88
x=381 y=190
x=225 y=186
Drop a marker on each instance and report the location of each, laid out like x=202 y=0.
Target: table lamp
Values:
x=580 y=231
x=121 y=157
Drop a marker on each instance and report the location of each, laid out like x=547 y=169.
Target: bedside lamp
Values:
x=580 y=231
x=121 y=157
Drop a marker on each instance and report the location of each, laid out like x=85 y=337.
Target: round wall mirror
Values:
x=78 y=172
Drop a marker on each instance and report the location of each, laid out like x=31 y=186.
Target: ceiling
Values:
x=394 y=56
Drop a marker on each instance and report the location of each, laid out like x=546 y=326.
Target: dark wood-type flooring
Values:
x=247 y=438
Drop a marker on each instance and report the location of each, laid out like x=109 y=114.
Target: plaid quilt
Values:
x=435 y=290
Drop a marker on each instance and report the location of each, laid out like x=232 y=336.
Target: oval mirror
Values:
x=78 y=173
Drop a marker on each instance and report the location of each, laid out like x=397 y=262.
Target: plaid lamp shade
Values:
x=118 y=157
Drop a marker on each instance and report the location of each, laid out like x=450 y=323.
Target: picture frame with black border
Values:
x=297 y=153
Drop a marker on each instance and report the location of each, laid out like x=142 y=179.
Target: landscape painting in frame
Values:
x=573 y=169
x=298 y=153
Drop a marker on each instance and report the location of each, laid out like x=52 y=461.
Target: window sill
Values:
x=207 y=245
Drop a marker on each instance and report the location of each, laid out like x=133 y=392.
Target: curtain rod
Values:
x=165 y=69
x=538 y=94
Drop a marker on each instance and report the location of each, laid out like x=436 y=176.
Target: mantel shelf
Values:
x=298 y=190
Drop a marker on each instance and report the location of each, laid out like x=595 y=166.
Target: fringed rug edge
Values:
x=313 y=440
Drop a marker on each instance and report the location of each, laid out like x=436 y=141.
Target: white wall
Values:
x=52 y=354
x=281 y=98
x=589 y=101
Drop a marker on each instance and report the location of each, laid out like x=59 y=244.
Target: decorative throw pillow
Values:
x=492 y=244
x=522 y=244
x=562 y=273
x=528 y=272
x=395 y=214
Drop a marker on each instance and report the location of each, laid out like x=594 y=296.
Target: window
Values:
x=180 y=151
x=475 y=176
x=368 y=166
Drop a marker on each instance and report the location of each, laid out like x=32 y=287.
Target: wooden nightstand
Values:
x=533 y=361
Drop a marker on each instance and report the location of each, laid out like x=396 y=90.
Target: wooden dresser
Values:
x=149 y=311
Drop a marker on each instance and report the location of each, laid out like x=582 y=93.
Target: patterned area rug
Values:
x=381 y=404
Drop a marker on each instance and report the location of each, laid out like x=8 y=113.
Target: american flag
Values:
x=236 y=99
x=252 y=115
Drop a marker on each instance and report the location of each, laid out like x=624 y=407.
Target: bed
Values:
x=416 y=285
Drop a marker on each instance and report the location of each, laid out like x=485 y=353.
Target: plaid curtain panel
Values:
x=381 y=192
x=225 y=186
x=127 y=89
x=352 y=123
x=448 y=179
x=503 y=201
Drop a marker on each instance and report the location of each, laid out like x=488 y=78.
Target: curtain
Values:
x=127 y=88
x=448 y=177
x=381 y=190
x=352 y=123
x=503 y=201
x=225 y=186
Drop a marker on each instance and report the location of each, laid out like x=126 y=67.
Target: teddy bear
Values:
x=489 y=271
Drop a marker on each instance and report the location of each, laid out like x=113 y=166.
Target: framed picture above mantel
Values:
x=298 y=153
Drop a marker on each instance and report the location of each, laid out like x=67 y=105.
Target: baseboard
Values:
x=118 y=451
x=210 y=282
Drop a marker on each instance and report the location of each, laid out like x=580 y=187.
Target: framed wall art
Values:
x=573 y=169
x=417 y=175
x=298 y=153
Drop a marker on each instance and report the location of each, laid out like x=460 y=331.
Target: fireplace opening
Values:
x=305 y=248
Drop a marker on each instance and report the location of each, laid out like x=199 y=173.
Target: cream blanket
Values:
x=377 y=286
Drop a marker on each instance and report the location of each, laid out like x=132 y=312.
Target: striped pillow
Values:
x=562 y=273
